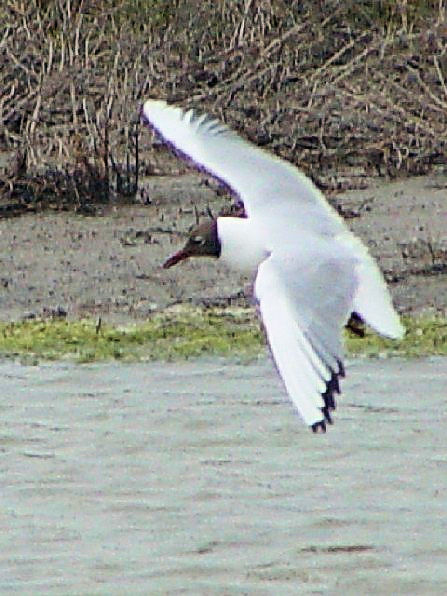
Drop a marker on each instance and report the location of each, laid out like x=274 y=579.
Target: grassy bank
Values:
x=189 y=333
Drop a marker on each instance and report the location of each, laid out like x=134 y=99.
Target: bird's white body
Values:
x=242 y=247
x=311 y=271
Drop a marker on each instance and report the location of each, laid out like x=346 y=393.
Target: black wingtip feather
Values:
x=319 y=426
x=327 y=415
x=332 y=388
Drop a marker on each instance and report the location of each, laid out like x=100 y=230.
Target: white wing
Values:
x=279 y=198
x=304 y=301
x=256 y=176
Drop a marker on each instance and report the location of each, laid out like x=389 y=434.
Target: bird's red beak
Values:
x=181 y=255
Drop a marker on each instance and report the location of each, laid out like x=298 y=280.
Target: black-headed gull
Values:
x=311 y=272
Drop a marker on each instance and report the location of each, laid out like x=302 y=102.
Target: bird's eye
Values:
x=198 y=240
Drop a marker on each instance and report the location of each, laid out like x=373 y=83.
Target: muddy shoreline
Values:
x=109 y=265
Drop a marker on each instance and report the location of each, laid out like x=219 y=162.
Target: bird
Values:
x=311 y=273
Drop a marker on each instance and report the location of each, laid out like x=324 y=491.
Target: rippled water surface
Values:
x=199 y=478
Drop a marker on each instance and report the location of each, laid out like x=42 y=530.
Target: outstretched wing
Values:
x=304 y=301
x=259 y=178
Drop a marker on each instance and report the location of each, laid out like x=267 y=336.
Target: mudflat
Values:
x=109 y=265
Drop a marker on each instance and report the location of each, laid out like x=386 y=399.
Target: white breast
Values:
x=241 y=244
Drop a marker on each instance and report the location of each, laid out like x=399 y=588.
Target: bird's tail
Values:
x=372 y=300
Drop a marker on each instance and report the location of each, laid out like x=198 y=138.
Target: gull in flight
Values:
x=311 y=273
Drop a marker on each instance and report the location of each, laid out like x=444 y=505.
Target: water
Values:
x=199 y=478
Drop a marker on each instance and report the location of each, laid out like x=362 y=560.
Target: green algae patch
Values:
x=177 y=334
x=182 y=333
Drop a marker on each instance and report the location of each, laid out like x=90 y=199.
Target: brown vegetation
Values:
x=352 y=87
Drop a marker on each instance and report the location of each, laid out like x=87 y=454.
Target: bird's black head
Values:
x=203 y=241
